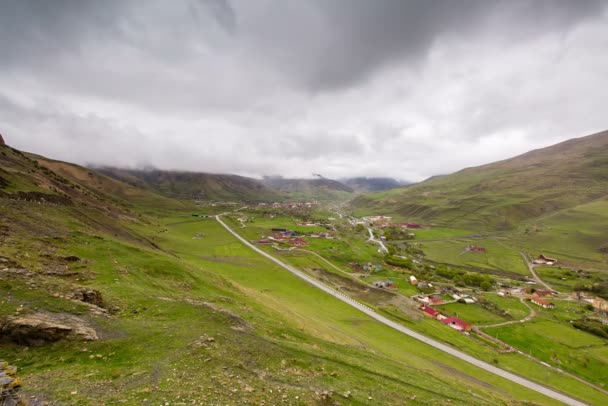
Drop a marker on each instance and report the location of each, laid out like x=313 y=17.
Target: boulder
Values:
x=90 y=296
x=41 y=328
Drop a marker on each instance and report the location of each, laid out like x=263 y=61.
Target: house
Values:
x=264 y=241
x=413 y=280
x=475 y=248
x=542 y=303
x=456 y=324
x=544 y=260
x=543 y=293
x=436 y=299
x=429 y=311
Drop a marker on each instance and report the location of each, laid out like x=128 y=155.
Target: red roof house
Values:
x=456 y=324
x=429 y=311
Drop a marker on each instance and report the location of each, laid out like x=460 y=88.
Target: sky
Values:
x=399 y=88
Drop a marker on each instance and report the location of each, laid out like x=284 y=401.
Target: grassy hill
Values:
x=195 y=185
x=502 y=195
x=144 y=304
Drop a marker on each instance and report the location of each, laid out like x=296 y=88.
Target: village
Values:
x=408 y=273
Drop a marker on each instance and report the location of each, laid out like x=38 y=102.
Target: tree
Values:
x=485 y=285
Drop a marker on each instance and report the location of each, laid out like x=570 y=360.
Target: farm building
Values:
x=544 y=260
x=413 y=280
x=543 y=293
x=456 y=324
x=542 y=303
x=429 y=311
x=475 y=248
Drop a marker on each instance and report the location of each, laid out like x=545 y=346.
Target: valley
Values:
x=119 y=292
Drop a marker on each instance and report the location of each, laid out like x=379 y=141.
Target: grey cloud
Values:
x=344 y=87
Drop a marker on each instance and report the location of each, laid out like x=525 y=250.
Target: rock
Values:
x=41 y=328
x=2 y=140
x=90 y=296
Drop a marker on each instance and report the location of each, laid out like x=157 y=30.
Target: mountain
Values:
x=365 y=184
x=321 y=189
x=195 y=185
x=501 y=195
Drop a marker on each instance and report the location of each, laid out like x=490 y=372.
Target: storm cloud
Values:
x=398 y=88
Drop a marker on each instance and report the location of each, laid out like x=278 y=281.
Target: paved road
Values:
x=440 y=346
x=371 y=238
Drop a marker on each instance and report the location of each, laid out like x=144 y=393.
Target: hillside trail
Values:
x=534 y=275
x=525 y=319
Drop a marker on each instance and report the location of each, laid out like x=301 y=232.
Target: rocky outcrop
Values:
x=42 y=328
x=2 y=141
x=10 y=384
x=90 y=296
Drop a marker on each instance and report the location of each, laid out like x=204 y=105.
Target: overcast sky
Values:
x=398 y=88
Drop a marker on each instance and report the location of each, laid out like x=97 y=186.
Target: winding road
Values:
x=379 y=242
x=433 y=343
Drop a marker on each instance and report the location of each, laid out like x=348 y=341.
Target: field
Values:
x=498 y=258
x=471 y=313
x=575 y=236
x=561 y=345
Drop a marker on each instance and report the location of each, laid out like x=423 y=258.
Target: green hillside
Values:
x=114 y=295
x=195 y=185
x=502 y=195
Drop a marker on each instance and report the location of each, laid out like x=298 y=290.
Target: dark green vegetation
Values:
x=186 y=313
x=195 y=185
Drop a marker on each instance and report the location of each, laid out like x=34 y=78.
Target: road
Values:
x=433 y=343
x=531 y=268
x=379 y=242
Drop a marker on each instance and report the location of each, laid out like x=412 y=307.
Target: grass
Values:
x=561 y=345
x=471 y=313
x=498 y=257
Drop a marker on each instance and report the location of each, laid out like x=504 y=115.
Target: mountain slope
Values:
x=113 y=190
x=365 y=185
x=195 y=185
x=186 y=321
x=322 y=189
x=503 y=194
